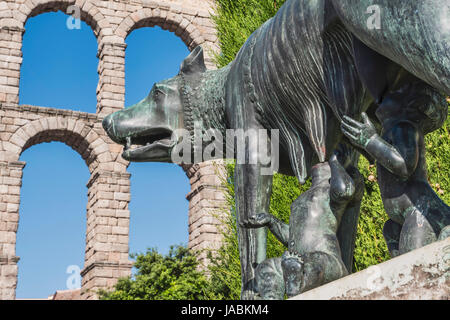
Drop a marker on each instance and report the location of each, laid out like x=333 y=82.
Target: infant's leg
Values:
x=445 y=233
x=321 y=268
x=416 y=232
x=313 y=227
x=391 y=233
x=310 y=270
x=292 y=265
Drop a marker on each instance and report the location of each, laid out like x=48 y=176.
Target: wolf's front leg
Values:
x=252 y=192
x=253 y=188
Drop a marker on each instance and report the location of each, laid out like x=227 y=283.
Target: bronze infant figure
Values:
x=313 y=257
x=417 y=215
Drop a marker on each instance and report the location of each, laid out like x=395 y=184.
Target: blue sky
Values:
x=59 y=70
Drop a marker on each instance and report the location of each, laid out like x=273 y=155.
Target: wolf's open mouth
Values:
x=149 y=139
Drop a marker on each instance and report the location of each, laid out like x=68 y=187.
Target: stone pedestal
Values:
x=421 y=274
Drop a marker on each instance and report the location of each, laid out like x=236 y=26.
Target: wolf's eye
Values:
x=158 y=93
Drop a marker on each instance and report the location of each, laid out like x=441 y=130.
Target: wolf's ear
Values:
x=194 y=63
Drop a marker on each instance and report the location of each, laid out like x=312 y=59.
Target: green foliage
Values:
x=370 y=247
x=171 y=277
x=236 y=20
x=438 y=150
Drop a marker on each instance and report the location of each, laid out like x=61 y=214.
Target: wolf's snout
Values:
x=107 y=123
x=108 y=126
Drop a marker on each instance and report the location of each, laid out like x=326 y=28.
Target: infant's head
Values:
x=416 y=102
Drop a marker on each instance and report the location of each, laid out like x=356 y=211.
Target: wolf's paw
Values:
x=250 y=295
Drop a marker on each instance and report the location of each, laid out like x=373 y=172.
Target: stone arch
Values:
x=106 y=252
x=167 y=20
x=90 y=14
x=13 y=24
x=75 y=133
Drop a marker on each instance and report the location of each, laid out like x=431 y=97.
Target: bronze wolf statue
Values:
x=301 y=73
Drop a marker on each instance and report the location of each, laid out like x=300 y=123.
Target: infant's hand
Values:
x=257 y=221
x=358 y=133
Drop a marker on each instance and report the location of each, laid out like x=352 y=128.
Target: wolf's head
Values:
x=147 y=129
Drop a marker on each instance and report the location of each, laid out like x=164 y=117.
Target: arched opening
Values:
x=52 y=225
x=159 y=209
x=59 y=70
x=59 y=67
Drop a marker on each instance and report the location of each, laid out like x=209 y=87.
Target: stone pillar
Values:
x=10 y=183
x=111 y=85
x=10 y=63
x=206 y=207
x=108 y=219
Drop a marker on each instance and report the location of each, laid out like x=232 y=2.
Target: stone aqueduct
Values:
x=22 y=126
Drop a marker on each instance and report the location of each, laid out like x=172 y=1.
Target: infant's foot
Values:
x=445 y=233
x=292 y=265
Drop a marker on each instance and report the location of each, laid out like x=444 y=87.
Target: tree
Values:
x=170 y=277
x=235 y=20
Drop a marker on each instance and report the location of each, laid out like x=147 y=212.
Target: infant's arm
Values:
x=279 y=229
x=400 y=158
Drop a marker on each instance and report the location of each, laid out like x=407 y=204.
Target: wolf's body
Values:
x=299 y=73
x=295 y=75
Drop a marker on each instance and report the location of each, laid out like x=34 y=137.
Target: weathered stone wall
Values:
x=11 y=180
x=207 y=206
x=106 y=255
x=111 y=22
